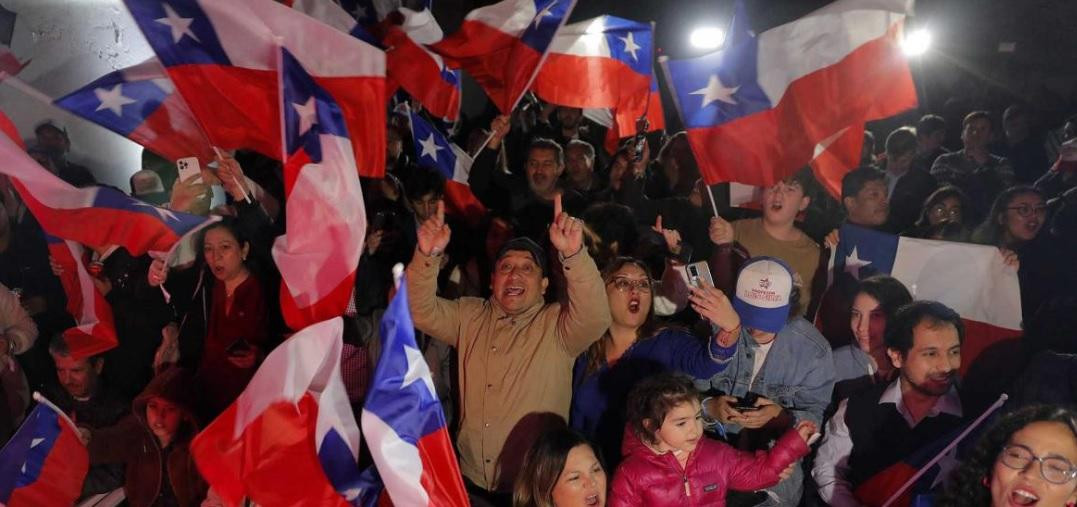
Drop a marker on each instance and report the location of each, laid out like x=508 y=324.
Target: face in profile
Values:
x=1036 y=467
x=582 y=481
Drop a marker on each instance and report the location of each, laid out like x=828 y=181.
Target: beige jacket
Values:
x=515 y=371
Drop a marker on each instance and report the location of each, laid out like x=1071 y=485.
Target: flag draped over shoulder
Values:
x=44 y=463
x=403 y=422
x=757 y=111
x=503 y=45
x=222 y=58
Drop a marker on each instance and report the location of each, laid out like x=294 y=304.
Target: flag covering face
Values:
x=290 y=438
x=756 y=112
x=434 y=151
x=403 y=420
x=222 y=58
x=971 y=279
x=44 y=463
x=319 y=254
x=95 y=330
x=140 y=103
x=503 y=45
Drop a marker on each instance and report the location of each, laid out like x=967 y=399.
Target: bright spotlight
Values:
x=707 y=37
x=916 y=42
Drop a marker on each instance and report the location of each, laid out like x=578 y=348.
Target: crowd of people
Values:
x=596 y=334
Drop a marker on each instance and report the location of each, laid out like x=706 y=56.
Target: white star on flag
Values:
x=359 y=12
x=164 y=214
x=715 y=90
x=113 y=99
x=430 y=148
x=34 y=442
x=544 y=13
x=630 y=46
x=308 y=115
x=180 y=26
x=417 y=370
x=853 y=263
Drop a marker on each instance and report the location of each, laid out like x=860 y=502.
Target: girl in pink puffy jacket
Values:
x=668 y=461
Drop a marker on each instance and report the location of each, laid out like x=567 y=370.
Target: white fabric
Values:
x=509 y=16
x=586 y=38
x=761 y=352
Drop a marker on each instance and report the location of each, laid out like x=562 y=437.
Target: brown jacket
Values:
x=515 y=371
x=132 y=443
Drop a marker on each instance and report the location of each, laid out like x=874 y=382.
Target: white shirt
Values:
x=832 y=459
x=761 y=352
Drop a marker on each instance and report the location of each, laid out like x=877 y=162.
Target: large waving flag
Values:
x=433 y=150
x=319 y=254
x=334 y=15
x=290 y=438
x=403 y=421
x=222 y=58
x=757 y=111
x=95 y=216
x=140 y=103
x=44 y=463
x=95 y=330
x=503 y=45
x=971 y=279
x=419 y=71
x=624 y=120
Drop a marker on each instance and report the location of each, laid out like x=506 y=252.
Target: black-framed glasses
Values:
x=940 y=211
x=1026 y=210
x=1053 y=469
x=625 y=285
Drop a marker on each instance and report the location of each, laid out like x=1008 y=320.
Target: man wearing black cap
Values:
x=515 y=351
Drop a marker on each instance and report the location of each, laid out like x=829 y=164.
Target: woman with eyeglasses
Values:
x=1026 y=458
x=947 y=205
x=1016 y=218
x=637 y=346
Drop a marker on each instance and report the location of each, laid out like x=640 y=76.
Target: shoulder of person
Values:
x=805 y=334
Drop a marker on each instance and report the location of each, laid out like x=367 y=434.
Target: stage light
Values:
x=916 y=42
x=707 y=37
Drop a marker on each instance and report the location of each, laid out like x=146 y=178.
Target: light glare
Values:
x=707 y=37
x=916 y=42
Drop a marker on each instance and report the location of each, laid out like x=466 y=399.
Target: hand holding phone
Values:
x=189 y=167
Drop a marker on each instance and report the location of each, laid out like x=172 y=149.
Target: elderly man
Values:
x=515 y=351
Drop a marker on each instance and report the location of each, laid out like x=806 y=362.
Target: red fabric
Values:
x=173 y=132
x=8 y=128
x=221 y=380
x=876 y=491
x=95 y=330
x=713 y=468
x=61 y=477
x=461 y=201
x=837 y=159
x=595 y=82
x=273 y=460
x=412 y=67
x=441 y=474
x=871 y=82
x=502 y=64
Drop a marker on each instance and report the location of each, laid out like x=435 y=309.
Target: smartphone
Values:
x=188 y=167
x=699 y=272
x=746 y=403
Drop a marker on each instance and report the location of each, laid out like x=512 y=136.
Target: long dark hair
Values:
x=993 y=231
x=543 y=465
x=967 y=489
x=596 y=353
x=229 y=224
x=890 y=293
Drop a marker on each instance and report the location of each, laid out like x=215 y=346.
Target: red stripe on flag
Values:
x=873 y=81
x=328 y=305
x=842 y=156
x=173 y=133
x=500 y=63
x=61 y=476
x=880 y=487
x=461 y=202
x=95 y=329
x=580 y=81
x=441 y=474
x=410 y=66
x=979 y=337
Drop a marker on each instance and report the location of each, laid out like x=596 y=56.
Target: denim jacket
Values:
x=798 y=373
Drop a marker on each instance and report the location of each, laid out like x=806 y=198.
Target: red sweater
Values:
x=656 y=480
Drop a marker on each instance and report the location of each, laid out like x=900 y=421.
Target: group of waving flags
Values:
x=307 y=82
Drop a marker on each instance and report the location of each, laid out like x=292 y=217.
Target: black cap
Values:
x=524 y=244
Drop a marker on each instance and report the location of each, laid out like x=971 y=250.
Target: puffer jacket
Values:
x=655 y=480
x=132 y=443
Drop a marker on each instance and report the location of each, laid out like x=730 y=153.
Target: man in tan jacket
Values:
x=515 y=351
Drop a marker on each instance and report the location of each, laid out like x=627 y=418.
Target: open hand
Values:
x=713 y=305
x=566 y=232
x=434 y=233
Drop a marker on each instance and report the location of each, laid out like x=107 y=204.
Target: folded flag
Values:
x=319 y=254
x=973 y=280
x=434 y=151
x=403 y=421
x=44 y=463
x=290 y=438
x=95 y=330
x=94 y=216
x=140 y=103
x=503 y=45
x=222 y=57
x=755 y=112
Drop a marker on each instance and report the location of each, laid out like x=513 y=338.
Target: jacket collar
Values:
x=949 y=403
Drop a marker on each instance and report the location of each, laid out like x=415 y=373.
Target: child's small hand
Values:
x=788 y=472
x=806 y=429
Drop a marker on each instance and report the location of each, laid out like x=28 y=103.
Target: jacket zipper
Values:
x=687 y=488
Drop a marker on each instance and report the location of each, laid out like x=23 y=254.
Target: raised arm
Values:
x=586 y=315
x=432 y=315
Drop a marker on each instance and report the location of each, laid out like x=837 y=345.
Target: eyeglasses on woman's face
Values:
x=625 y=285
x=1054 y=469
x=1027 y=210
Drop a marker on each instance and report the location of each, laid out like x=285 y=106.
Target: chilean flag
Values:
x=222 y=58
x=503 y=45
x=95 y=216
x=140 y=103
x=971 y=279
x=332 y=14
x=44 y=463
x=403 y=421
x=434 y=151
x=608 y=60
x=623 y=121
x=95 y=331
x=757 y=111
x=290 y=438
x=319 y=254
x=420 y=72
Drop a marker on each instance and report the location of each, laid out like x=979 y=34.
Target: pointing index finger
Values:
x=557 y=210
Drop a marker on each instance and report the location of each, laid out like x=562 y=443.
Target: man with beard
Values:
x=874 y=429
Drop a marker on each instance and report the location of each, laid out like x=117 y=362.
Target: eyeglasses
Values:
x=1026 y=210
x=625 y=285
x=1053 y=470
x=940 y=211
